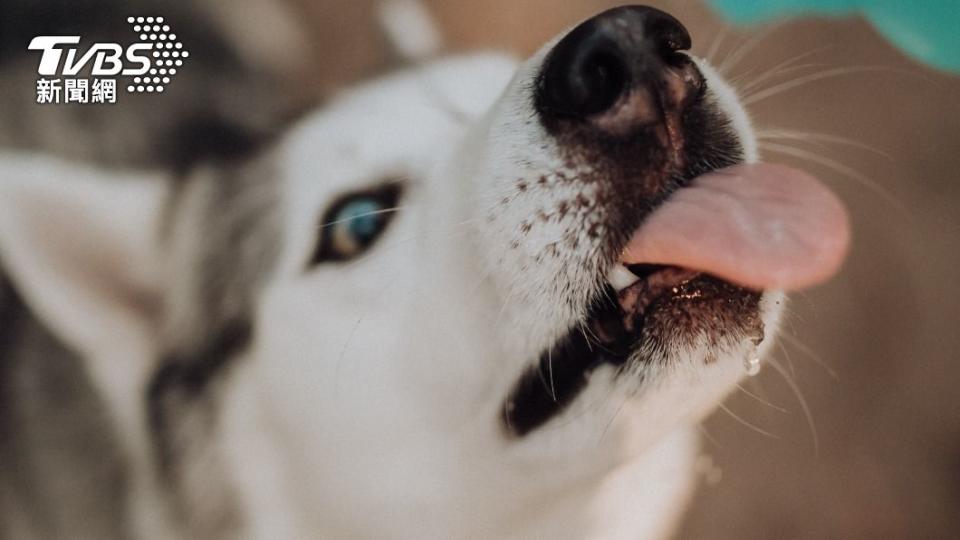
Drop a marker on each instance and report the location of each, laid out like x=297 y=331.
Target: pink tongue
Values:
x=761 y=226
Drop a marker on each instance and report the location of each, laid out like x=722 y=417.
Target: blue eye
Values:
x=355 y=222
x=361 y=219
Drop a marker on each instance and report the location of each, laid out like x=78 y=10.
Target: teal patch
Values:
x=928 y=30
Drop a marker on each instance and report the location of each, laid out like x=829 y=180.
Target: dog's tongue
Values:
x=761 y=226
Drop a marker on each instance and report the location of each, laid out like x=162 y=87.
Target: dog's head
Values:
x=415 y=306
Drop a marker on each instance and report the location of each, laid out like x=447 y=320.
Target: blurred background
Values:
x=855 y=432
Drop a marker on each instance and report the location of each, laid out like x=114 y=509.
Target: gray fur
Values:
x=56 y=441
x=61 y=468
x=233 y=211
x=61 y=474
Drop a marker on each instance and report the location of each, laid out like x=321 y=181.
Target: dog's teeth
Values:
x=620 y=278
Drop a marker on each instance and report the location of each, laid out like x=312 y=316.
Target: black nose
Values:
x=626 y=51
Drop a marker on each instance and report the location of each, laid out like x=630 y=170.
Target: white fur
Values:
x=368 y=403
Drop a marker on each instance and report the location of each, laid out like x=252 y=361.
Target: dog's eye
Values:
x=352 y=224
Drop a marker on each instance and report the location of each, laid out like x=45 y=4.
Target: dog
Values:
x=410 y=316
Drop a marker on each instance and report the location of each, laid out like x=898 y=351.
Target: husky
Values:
x=421 y=312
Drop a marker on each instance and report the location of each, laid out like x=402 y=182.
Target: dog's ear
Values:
x=411 y=32
x=81 y=247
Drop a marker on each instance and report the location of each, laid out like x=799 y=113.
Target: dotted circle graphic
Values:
x=166 y=53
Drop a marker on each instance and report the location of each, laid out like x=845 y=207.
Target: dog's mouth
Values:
x=639 y=286
x=641 y=309
x=743 y=230
x=708 y=251
x=716 y=243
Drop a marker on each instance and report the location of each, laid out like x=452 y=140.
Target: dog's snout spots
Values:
x=620 y=70
x=630 y=118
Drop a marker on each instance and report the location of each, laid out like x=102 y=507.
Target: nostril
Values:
x=605 y=79
x=590 y=86
x=623 y=52
x=582 y=77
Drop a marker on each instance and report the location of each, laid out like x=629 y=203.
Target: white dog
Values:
x=409 y=317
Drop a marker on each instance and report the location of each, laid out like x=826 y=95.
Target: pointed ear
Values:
x=81 y=246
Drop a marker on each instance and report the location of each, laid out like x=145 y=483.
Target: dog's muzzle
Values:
x=625 y=108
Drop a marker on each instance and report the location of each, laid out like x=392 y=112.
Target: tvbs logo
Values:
x=150 y=64
x=107 y=57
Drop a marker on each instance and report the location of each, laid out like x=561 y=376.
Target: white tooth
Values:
x=620 y=278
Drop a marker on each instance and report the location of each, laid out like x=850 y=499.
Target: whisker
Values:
x=737 y=55
x=804 y=296
x=548 y=385
x=349 y=340
x=803 y=402
x=790 y=134
x=786 y=356
x=616 y=413
x=553 y=388
x=838 y=168
x=784 y=67
x=587 y=335
x=343 y=354
x=751 y=85
x=813 y=77
x=710 y=438
x=364 y=214
x=715 y=46
x=759 y=430
x=507 y=403
x=760 y=399
x=511 y=290
x=403 y=241
x=592 y=406
x=807 y=351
